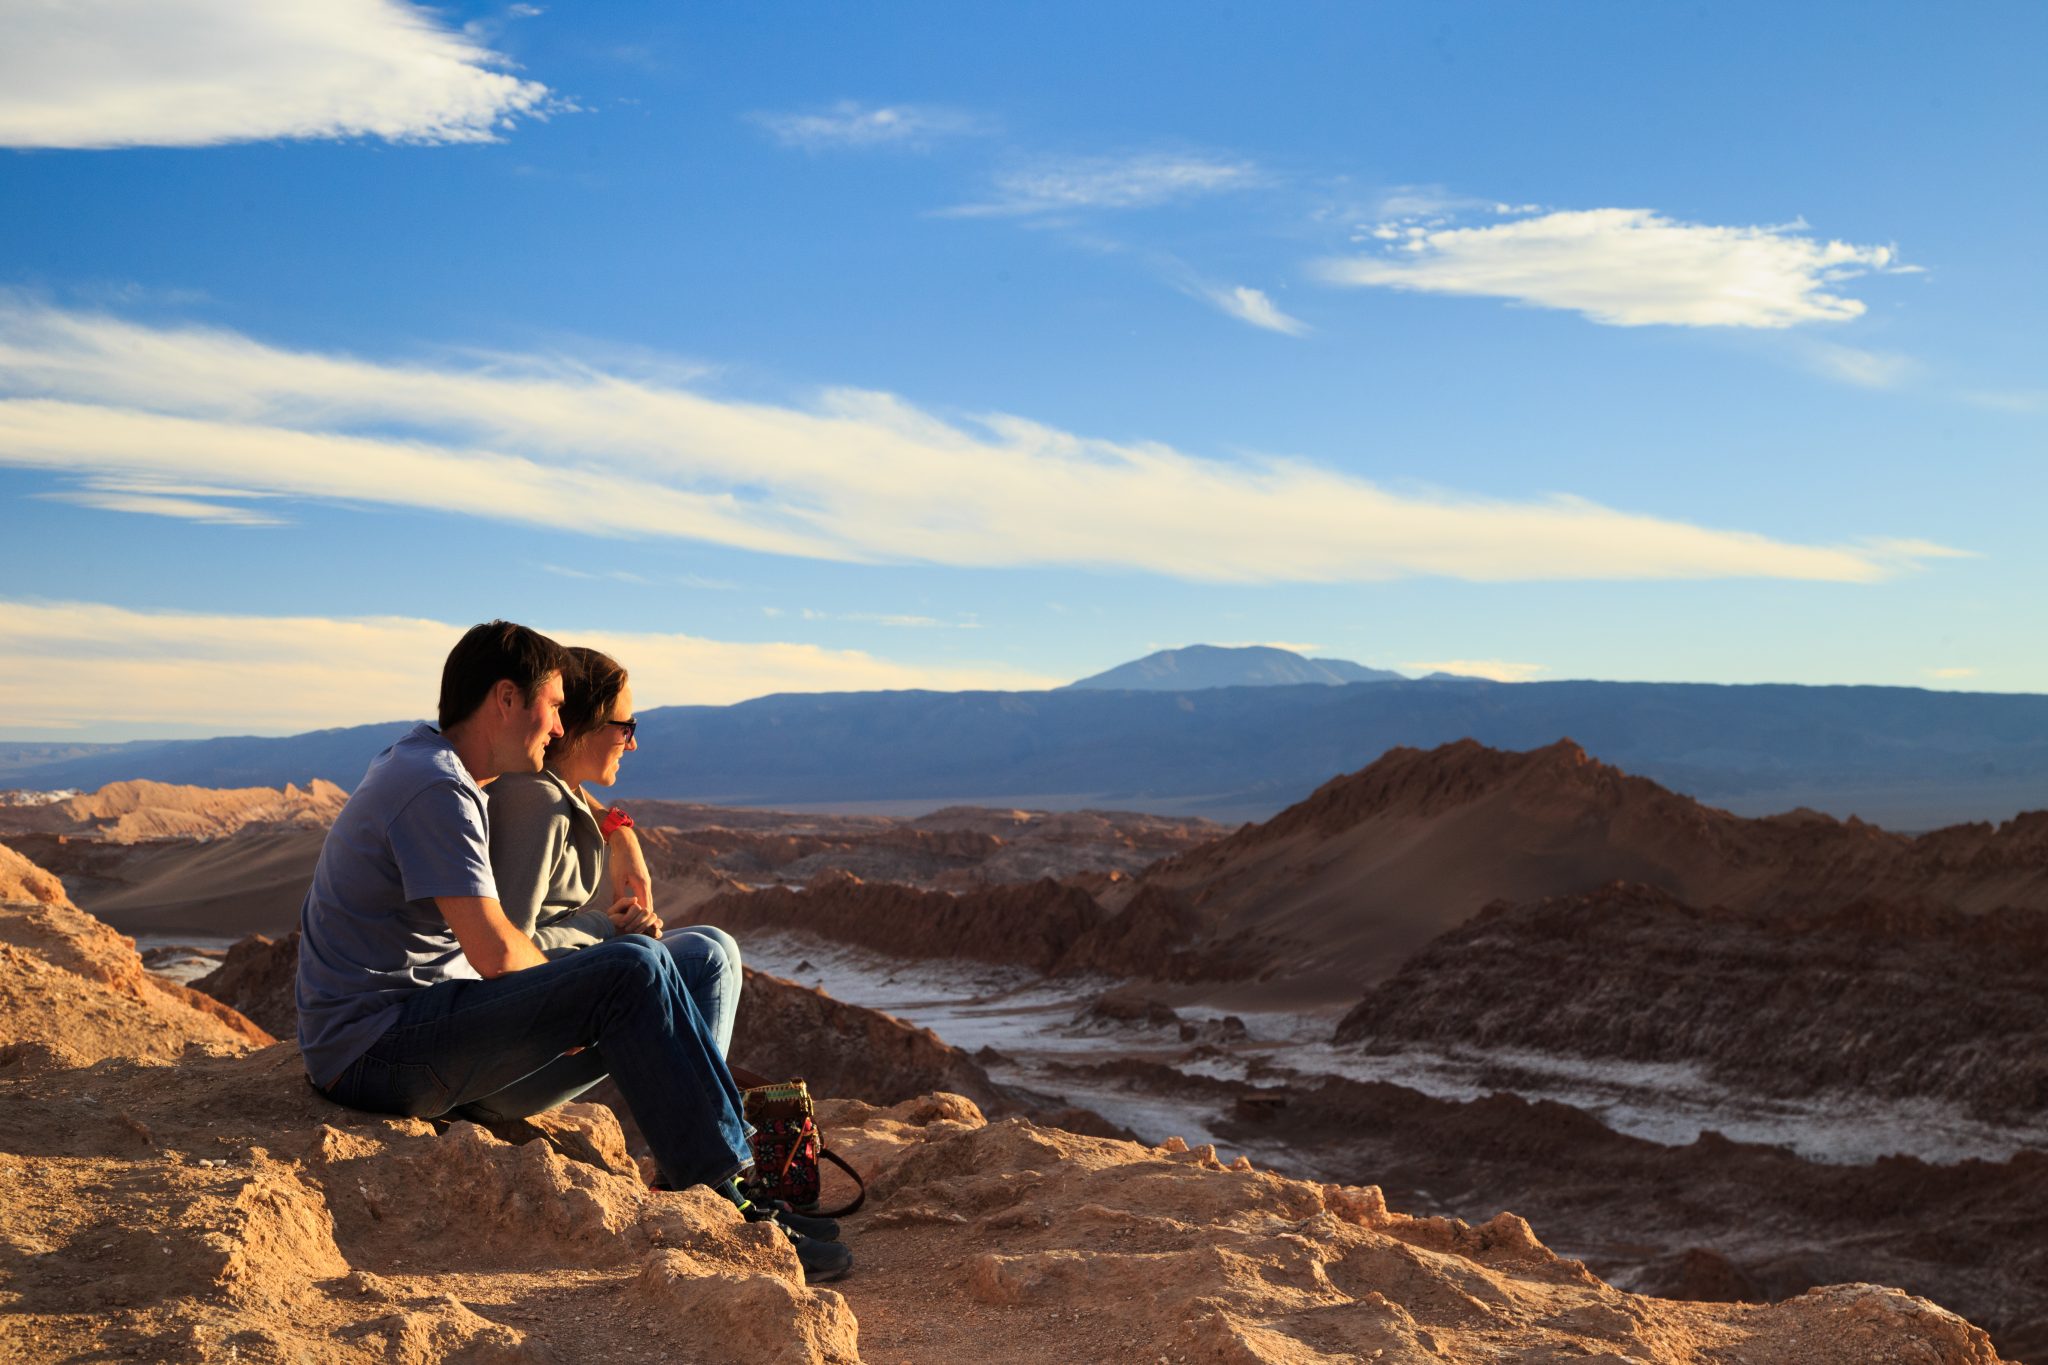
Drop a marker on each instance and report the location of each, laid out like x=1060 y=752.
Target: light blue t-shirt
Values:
x=415 y=828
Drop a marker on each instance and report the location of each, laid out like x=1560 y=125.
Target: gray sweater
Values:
x=549 y=862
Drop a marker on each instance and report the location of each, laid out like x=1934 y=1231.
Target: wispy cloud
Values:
x=1133 y=182
x=849 y=124
x=193 y=73
x=1497 y=670
x=1623 y=267
x=853 y=476
x=2007 y=400
x=1855 y=365
x=1253 y=306
x=280 y=674
x=199 y=502
x=160 y=505
x=1951 y=674
x=895 y=620
x=596 y=575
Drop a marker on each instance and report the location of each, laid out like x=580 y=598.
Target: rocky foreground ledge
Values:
x=172 y=1190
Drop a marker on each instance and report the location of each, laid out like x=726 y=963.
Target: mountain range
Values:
x=1902 y=757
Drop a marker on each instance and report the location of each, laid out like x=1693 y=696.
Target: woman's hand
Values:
x=629 y=916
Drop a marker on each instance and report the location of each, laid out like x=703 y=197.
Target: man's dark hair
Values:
x=590 y=687
x=488 y=654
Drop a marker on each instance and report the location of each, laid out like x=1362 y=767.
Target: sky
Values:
x=820 y=347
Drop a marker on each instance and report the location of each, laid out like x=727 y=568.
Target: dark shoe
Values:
x=822 y=1261
x=809 y=1224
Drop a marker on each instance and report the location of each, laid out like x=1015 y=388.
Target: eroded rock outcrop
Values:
x=132 y=812
x=1111 y=1251
x=1866 y=999
x=259 y=977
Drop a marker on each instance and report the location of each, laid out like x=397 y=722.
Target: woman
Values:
x=552 y=869
x=548 y=852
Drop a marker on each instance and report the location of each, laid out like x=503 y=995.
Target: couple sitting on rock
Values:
x=460 y=957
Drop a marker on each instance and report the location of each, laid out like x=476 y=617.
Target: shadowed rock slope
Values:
x=1866 y=999
x=1338 y=890
x=215 y=1207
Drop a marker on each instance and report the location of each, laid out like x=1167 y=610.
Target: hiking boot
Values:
x=822 y=1261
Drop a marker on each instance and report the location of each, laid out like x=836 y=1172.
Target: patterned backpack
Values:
x=787 y=1148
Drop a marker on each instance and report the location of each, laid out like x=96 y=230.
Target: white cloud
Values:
x=1498 y=670
x=194 y=73
x=850 y=124
x=1623 y=267
x=1109 y=183
x=855 y=476
x=1252 y=305
x=1952 y=674
x=243 y=674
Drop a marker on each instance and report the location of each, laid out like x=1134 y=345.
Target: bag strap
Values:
x=828 y=1154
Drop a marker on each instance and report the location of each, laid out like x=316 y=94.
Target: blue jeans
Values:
x=709 y=960
x=493 y=1050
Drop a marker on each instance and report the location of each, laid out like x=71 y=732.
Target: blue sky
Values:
x=832 y=347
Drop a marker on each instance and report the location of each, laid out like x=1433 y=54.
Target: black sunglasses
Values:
x=629 y=726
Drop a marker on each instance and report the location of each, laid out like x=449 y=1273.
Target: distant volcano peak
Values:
x=1199 y=667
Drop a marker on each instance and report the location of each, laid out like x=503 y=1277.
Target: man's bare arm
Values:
x=488 y=939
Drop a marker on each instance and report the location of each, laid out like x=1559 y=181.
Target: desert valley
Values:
x=1295 y=1090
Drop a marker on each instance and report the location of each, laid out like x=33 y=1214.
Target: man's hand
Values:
x=629 y=916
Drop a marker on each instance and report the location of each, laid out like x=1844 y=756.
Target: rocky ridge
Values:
x=136 y=811
x=957 y=848
x=1342 y=887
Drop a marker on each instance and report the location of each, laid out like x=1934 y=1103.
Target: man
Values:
x=417 y=996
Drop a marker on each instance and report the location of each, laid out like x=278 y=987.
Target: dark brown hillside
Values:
x=1378 y=862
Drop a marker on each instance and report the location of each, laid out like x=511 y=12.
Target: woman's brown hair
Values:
x=591 y=685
